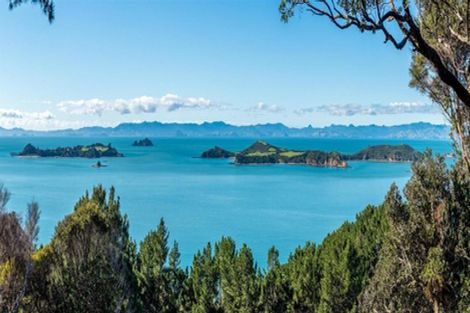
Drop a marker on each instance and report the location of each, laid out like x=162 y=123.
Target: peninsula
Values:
x=262 y=152
x=143 y=143
x=96 y=150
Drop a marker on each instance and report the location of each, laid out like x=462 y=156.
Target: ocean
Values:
x=202 y=200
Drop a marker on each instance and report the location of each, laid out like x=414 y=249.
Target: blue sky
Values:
x=106 y=62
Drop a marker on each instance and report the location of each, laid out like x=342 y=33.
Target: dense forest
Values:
x=410 y=254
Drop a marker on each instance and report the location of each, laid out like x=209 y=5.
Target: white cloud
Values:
x=264 y=107
x=10 y=118
x=17 y=114
x=139 y=105
x=351 y=109
x=303 y=111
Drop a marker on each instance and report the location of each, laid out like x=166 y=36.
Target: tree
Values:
x=90 y=259
x=438 y=32
x=47 y=6
x=203 y=278
x=16 y=250
x=275 y=293
x=423 y=266
x=160 y=286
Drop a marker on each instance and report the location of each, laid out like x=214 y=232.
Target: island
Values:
x=262 y=152
x=217 y=153
x=143 y=143
x=387 y=153
x=96 y=150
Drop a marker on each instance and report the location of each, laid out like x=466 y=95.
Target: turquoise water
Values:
x=202 y=200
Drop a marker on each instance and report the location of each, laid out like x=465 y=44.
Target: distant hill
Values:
x=221 y=129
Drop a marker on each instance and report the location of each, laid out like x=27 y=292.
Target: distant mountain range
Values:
x=220 y=129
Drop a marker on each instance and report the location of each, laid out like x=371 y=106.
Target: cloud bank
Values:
x=11 y=118
x=17 y=114
x=139 y=105
x=352 y=109
x=264 y=107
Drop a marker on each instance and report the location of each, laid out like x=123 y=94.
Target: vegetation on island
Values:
x=143 y=143
x=96 y=150
x=262 y=152
x=217 y=153
x=387 y=153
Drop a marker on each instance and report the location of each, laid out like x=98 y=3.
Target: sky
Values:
x=104 y=62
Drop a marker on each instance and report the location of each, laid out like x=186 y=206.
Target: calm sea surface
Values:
x=202 y=200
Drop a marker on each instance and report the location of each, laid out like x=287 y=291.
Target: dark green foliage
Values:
x=160 y=286
x=96 y=150
x=47 y=6
x=203 y=278
x=264 y=153
x=88 y=265
x=424 y=266
x=217 y=153
x=397 y=153
x=143 y=143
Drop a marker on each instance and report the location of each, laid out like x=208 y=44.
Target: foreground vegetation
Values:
x=403 y=256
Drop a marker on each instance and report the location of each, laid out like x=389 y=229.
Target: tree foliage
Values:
x=47 y=6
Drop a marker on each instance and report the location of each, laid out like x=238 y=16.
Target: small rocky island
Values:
x=143 y=143
x=96 y=150
x=262 y=152
x=217 y=153
x=99 y=165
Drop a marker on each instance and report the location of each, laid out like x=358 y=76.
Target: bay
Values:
x=201 y=199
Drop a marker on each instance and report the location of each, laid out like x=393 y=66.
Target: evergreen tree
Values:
x=152 y=280
x=89 y=259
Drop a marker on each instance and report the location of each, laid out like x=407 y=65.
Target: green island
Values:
x=387 y=153
x=262 y=152
x=93 y=151
x=143 y=143
x=217 y=153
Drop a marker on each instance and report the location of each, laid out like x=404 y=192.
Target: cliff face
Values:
x=324 y=159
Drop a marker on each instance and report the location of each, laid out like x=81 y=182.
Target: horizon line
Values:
x=218 y=122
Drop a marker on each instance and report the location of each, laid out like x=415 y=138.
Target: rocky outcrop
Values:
x=217 y=153
x=143 y=143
